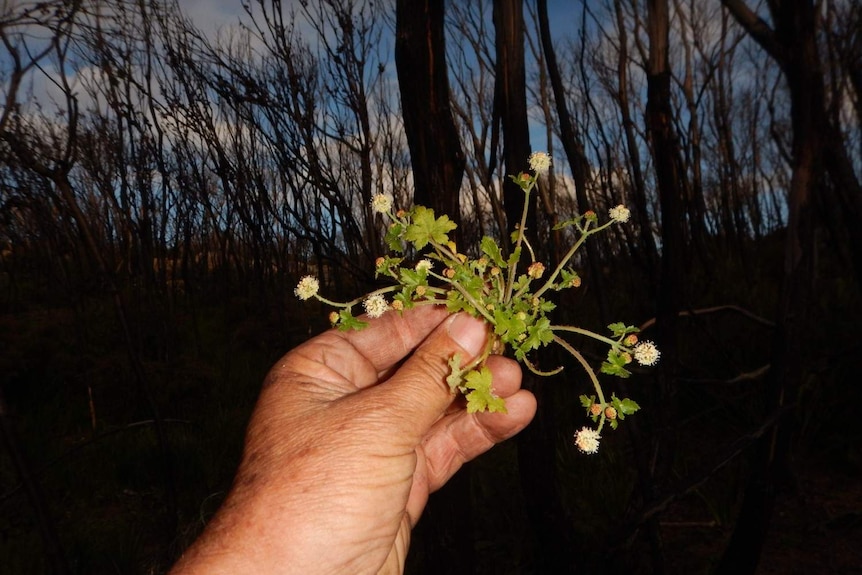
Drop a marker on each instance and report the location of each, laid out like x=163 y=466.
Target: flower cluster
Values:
x=646 y=353
x=307 y=288
x=619 y=214
x=381 y=204
x=540 y=162
x=587 y=440
x=507 y=293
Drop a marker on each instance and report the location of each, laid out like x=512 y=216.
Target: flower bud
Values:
x=536 y=270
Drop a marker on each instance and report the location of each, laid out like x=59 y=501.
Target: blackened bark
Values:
x=572 y=144
x=537 y=443
x=510 y=105
x=793 y=44
x=667 y=160
x=423 y=78
x=446 y=532
x=648 y=252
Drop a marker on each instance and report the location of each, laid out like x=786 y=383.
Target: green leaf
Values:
x=386 y=266
x=346 y=321
x=522 y=282
x=413 y=278
x=615 y=364
x=405 y=296
x=455 y=302
x=393 y=237
x=514 y=258
x=620 y=329
x=624 y=407
x=539 y=334
x=627 y=406
x=456 y=374
x=425 y=228
x=509 y=326
x=492 y=250
x=618 y=370
x=566 y=223
x=568 y=278
x=481 y=396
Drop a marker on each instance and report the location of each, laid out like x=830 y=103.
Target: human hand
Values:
x=346 y=443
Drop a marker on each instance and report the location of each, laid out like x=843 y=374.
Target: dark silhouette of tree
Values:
x=510 y=105
x=423 y=79
x=791 y=41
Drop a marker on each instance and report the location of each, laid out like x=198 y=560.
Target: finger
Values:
x=418 y=393
x=346 y=361
x=461 y=437
x=391 y=337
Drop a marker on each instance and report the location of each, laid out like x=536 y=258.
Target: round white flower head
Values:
x=375 y=305
x=381 y=204
x=646 y=353
x=424 y=264
x=540 y=162
x=587 y=440
x=307 y=287
x=620 y=214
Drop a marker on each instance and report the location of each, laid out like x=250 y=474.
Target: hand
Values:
x=346 y=443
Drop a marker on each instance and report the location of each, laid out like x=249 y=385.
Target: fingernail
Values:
x=469 y=333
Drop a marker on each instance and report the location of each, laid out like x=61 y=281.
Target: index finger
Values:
x=390 y=338
x=358 y=359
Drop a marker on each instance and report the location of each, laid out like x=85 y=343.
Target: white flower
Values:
x=646 y=353
x=375 y=305
x=540 y=162
x=620 y=214
x=424 y=264
x=587 y=440
x=381 y=204
x=307 y=287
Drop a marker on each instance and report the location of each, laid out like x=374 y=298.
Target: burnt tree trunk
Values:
x=666 y=157
x=446 y=534
x=510 y=108
x=537 y=443
x=436 y=155
x=793 y=44
x=572 y=145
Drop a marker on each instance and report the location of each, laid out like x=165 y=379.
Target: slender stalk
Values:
x=570 y=328
x=592 y=375
x=514 y=269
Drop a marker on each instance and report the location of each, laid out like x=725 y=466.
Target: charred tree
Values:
x=510 y=106
x=668 y=170
x=792 y=43
x=436 y=155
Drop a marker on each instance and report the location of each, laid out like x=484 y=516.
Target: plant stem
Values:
x=592 y=375
x=513 y=270
x=588 y=333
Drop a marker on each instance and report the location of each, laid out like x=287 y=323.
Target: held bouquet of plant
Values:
x=506 y=293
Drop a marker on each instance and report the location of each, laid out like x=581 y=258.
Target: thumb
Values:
x=418 y=390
